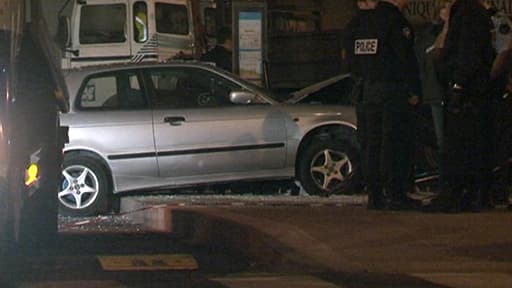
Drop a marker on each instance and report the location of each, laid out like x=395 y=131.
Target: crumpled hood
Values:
x=298 y=95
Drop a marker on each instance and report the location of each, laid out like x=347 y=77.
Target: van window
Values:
x=171 y=19
x=102 y=24
x=140 y=22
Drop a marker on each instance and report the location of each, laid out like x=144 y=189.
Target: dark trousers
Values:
x=466 y=162
x=388 y=152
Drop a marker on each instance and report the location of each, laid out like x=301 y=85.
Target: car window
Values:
x=112 y=91
x=185 y=87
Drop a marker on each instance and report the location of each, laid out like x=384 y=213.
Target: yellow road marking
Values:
x=147 y=262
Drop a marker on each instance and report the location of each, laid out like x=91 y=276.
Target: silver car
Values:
x=161 y=126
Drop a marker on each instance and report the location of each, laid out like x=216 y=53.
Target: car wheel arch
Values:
x=330 y=132
x=99 y=159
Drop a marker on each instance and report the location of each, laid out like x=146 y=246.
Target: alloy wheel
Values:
x=79 y=187
x=330 y=169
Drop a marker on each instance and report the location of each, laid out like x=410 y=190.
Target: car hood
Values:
x=298 y=95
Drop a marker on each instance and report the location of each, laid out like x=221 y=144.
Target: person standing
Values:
x=382 y=55
x=501 y=87
x=363 y=15
x=465 y=159
x=222 y=53
x=429 y=43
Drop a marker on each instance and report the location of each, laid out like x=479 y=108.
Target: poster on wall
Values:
x=250 y=44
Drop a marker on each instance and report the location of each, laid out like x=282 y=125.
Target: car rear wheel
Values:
x=83 y=188
x=327 y=167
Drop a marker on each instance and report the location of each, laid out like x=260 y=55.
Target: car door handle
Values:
x=174 y=121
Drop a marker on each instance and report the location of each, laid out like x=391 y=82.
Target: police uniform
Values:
x=220 y=56
x=465 y=163
x=382 y=56
x=359 y=21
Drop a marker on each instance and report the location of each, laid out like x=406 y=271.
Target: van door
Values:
x=173 y=28
x=100 y=33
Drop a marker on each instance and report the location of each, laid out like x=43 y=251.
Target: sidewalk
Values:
x=457 y=250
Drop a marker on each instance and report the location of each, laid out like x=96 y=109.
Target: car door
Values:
x=114 y=119
x=200 y=133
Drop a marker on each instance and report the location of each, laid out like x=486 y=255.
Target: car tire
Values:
x=328 y=167
x=83 y=187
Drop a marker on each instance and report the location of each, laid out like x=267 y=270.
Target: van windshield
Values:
x=171 y=19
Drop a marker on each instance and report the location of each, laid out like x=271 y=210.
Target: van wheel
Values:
x=83 y=187
x=326 y=167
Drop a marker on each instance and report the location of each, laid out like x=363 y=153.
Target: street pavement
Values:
x=273 y=241
x=340 y=236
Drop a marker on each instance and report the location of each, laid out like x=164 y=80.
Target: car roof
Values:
x=121 y=66
x=75 y=76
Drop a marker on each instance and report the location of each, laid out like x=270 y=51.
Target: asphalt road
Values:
x=268 y=241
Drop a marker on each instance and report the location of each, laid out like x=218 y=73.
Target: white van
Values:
x=93 y=32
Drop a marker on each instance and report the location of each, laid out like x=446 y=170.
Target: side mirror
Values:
x=241 y=97
x=63 y=32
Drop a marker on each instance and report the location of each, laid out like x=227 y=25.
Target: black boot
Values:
x=472 y=201
x=376 y=201
x=403 y=202
x=448 y=201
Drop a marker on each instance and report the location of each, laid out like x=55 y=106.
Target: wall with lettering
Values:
x=421 y=11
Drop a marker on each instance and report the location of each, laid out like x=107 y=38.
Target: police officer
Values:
x=222 y=53
x=381 y=54
x=469 y=54
x=365 y=8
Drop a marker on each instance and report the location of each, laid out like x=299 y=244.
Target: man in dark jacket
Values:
x=465 y=162
x=382 y=55
x=358 y=22
x=222 y=53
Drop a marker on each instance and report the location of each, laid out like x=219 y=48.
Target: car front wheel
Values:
x=327 y=167
x=83 y=188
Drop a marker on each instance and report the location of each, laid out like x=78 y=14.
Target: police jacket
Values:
x=468 y=49
x=357 y=24
x=382 y=48
x=220 y=56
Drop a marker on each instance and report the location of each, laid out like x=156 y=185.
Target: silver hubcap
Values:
x=330 y=168
x=79 y=187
